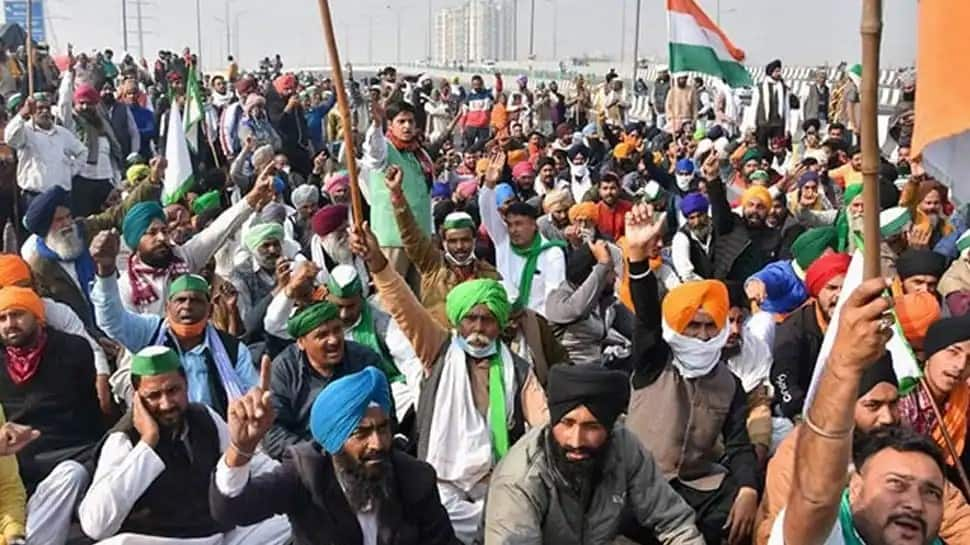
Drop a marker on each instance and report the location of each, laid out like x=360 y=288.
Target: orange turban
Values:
x=13 y=269
x=517 y=156
x=756 y=192
x=482 y=166
x=583 y=211
x=682 y=303
x=916 y=311
x=22 y=298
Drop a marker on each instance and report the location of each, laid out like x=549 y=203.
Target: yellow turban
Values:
x=583 y=211
x=682 y=303
x=756 y=193
x=481 y=166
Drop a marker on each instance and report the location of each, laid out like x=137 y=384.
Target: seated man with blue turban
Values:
x=219 y=368
x=476 y=395
x=156 y=260
x=346 y=486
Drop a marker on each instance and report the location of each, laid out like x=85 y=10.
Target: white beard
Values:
x=338 y=248
x=66 y=243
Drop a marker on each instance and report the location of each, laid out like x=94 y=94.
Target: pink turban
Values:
x=467 y=189
x=252 y=101
x=87 y=93
x=285 y=84
x=337 y=180
x=523 y=168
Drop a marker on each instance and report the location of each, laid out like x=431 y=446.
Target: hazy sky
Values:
x=799 y=32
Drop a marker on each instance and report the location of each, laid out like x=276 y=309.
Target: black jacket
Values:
x=798 y=340
x=739 y=251
x=305 y=488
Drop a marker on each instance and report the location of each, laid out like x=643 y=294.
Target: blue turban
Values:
x=137 y=220
x=694 y=202
x=440 y=190
x=40 y=213
x=503 y=192
x=685 y=165
x=807 y=177
x=340 y=406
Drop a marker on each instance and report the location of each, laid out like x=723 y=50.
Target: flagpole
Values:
x=338 y=83
x=947 y=440
x=869 y=96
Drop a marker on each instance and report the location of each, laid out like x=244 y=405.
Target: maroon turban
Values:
x=245 y=85
x=328 y=218
x=86 y=93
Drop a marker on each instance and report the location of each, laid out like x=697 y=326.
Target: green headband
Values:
x=458 y=223
x=154 y=360
x=188 y=282
x=310 y=318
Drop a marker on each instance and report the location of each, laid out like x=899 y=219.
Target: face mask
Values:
x=478 y=353
x=456 y=262
x=579 y=171
x=187 y=330
x=286 y=169
x=683 y=181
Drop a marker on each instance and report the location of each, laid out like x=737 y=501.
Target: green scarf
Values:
x=531 y=256
x=496 y=407
x=849 y=534
x=364 y=334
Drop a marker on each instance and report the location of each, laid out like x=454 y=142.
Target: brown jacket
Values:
x=437 y=278
x=955 y=529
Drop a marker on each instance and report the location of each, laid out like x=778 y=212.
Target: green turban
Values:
x=206 y=202
x=258 y=234
x=842 y=220
x=811 y=244
x=137 y=220
x=851 y=192
x=458 y=220
x=188 y=282
x=751 y=154
x=154 y=360
x=14 y=103
x=310 y=318
x=137 y=173
x=467 y=295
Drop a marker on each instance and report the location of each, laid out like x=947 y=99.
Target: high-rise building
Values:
x=479 y=30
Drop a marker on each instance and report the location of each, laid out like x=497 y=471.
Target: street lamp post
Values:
x=532 y=30
x=124 y=24
x=636 y=44
x=198 y=30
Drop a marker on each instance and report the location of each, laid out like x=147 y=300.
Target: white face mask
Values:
x=683 y=181
x=579 y=171
x=477 y=352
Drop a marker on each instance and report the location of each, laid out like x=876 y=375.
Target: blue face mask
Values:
x=476 y=352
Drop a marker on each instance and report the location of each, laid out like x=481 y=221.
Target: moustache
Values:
x=478 y=339
x=910 y=520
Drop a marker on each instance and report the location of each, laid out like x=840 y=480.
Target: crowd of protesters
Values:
x=554 y=323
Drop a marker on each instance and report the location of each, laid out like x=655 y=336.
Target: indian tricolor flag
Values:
x=942 y=122
x=699 y=45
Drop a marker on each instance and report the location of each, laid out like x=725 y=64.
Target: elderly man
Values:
x=49 y=385
x=219 y=368
x=151 y=480
x=155 y=261
x=918 y=270
x=583 y=452
x=48 y=154
x=402 y=148
x=954 y=285
x=256 y=279
x=531 y=266
x=441 y=268
x=895 y=229
x=798 y=339
x=348 y=485
x=329 y=246
x=306 y=200
x=476 y=396
x=319 y=356
x=58 y=250
x=679 y=373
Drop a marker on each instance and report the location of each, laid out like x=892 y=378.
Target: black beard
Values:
x=159 y=260
x=364 y=490
x=582 y=476
x=729 y=352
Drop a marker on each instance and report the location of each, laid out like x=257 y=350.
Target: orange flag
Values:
x=942 y=125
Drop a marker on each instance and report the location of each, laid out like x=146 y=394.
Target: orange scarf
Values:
x=955 y=420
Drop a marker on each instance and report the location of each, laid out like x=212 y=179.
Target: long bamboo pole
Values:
x=338 y=82
x=869 y=96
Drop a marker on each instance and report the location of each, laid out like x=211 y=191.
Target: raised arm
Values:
x=147 y=190
x=822 y=456
x=419 y=248
x=487 y=206
x=564 y=308
x=649 y=350
x=424 y=333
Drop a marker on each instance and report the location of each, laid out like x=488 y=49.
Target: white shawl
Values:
x=316 y=255
x=460 y=440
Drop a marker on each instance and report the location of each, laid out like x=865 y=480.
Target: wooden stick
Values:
x=29 y=45
x=869 y=96
x=951 y=450
x=345 y=122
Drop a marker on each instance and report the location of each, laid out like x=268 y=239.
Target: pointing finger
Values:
x=265 y=371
